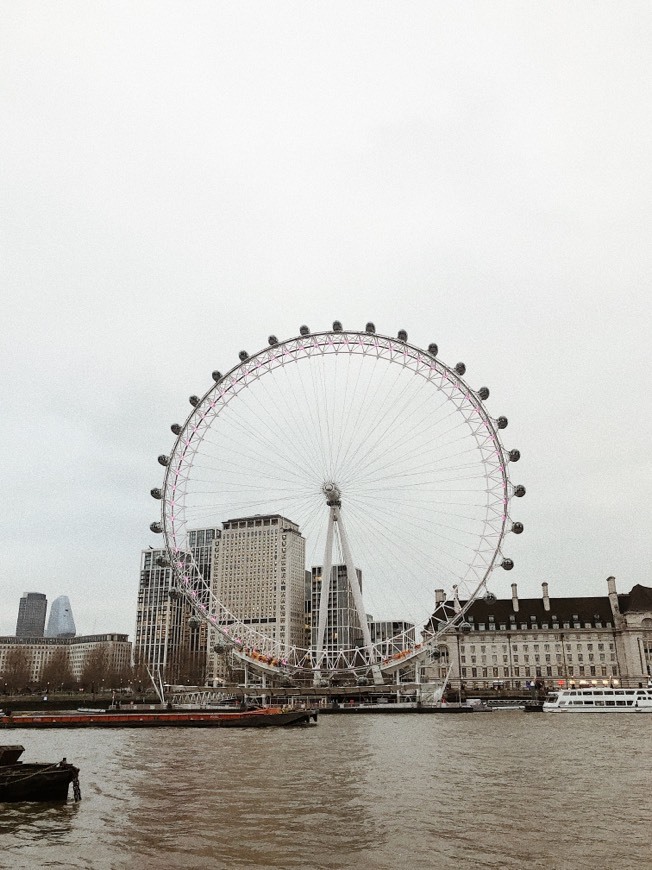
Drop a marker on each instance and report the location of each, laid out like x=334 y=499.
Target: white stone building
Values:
x=553 y=641
x=39 y=652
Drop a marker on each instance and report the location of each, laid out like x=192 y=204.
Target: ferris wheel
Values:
x=385 y=466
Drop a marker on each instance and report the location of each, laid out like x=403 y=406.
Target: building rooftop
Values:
x=259 y=517
x=585 y=609
x=573 y=609
x=638 y=600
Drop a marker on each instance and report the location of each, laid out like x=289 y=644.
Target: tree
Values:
x=140 y=677
x=17 y=671
x=121 y=677
x=57 y=671
x=96 y=668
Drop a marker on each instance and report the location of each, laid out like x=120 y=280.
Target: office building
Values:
x=60 y=621
x=259 y=577
x=167 y=640
x=37 y=653
x=31 y=615
x=343 y=631
x=391 y=636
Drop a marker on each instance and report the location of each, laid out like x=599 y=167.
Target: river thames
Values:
x=499 y=790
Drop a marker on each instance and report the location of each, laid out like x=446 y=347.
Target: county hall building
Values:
x=513 y=643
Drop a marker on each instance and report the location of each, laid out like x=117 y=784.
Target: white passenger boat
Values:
x=599 y=700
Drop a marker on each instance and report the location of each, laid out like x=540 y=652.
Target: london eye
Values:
x=390 y=467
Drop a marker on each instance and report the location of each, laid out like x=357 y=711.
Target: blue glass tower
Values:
x=61 y=622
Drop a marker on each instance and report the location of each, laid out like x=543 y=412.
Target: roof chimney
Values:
x=514 y=598
x=440 y=597
x=546 y=599
x=613 y=601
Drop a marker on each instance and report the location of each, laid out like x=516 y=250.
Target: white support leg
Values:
x=333 y=500
x=352 y=576
x=324 y=594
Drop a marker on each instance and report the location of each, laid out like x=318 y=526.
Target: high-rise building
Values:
x=159 y=614
x=167 y=640
x=391 y=636
x=60 y=621
x=31 y=615
x=343 y=631
x=259 y=576
x=200 y=542
x=307 y=610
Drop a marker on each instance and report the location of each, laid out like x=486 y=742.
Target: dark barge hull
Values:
x=21 y=781
x=533 y=707
x=266 y=718
x=36 y=782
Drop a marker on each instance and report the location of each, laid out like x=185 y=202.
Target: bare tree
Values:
x=140 y=677
x=122 y=676
x=17 y=670
x=96 y=669
x=57 y=672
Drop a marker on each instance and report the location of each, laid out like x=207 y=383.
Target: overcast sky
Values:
x=181 y=179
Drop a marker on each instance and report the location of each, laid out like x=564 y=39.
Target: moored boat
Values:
x=25 y=781
x=599 y=700
x=265 y=717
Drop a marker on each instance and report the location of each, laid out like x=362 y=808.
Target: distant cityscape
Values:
x=257 y=571
x=255 y=567
x=54 y=658
x=31 y=617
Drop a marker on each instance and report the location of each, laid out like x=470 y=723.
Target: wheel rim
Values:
x=424 y=482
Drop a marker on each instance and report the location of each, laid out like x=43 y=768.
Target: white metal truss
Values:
x=335 y=521
x=249 y=643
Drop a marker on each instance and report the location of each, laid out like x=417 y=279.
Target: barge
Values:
x=265 y=717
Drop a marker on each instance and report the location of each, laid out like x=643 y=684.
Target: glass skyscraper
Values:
x=31 y=615
x=61 y=622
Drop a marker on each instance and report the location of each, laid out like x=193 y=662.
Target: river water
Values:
x=498 y=790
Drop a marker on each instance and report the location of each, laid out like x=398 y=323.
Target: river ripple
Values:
x=495 y=790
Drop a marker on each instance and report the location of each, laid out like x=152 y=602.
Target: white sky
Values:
x=181 y=179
